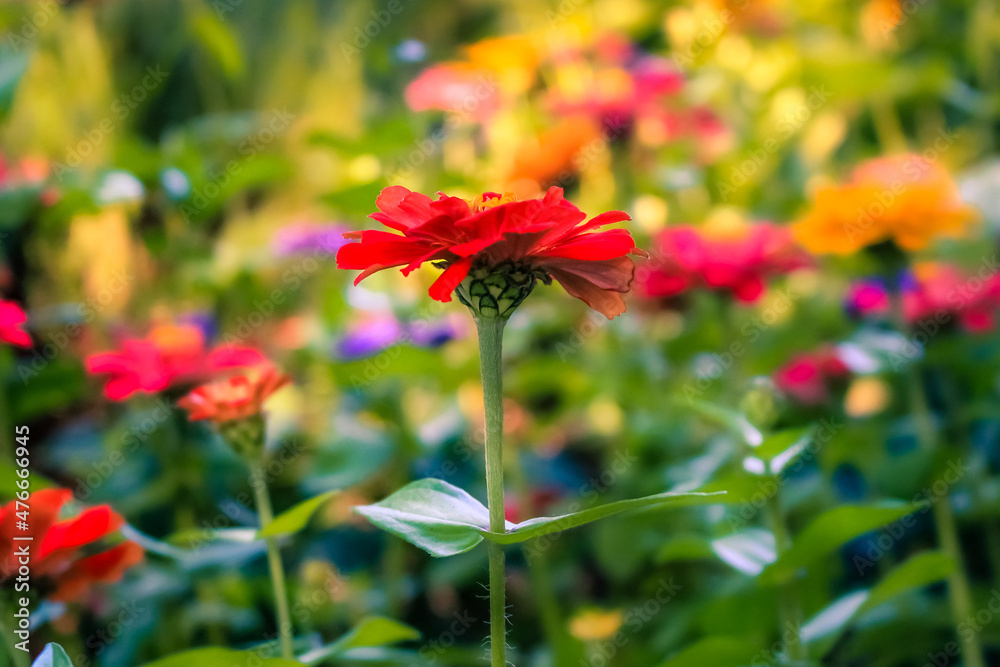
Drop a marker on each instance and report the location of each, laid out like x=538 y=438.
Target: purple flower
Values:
x=309 y=237
x=376 y=333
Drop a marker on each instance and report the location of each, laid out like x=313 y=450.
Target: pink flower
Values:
x=689 y=258
x=12 y=319
x=169 y=356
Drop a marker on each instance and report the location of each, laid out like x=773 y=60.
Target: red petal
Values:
x=451 y=278
x=595 y=246
x=91 y=525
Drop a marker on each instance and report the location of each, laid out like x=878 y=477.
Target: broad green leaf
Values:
x=731 y=419
x=52 y=656
x=444 y=520
x=295 y=519
x=920 y=570
x=223 y=657
x=715 y=652
x=749 y=551
x=370 y=631
x=441 y=519
x=830 y=530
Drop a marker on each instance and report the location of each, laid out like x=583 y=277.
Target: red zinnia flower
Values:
x=56 y=544
x=692 y=258
x=12 y=318
x=234 y=398
x=169 y=356
x=506 y=245
x=806 y=377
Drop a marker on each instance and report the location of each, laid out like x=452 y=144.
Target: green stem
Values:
x=490 y=357
x=959 y=590
x=284 y=617
x=789 y=605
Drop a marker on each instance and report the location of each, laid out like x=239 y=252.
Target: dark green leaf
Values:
x=832 y=529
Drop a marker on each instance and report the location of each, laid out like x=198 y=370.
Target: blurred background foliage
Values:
x=155 y=152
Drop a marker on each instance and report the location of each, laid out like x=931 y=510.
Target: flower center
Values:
x=489 y=200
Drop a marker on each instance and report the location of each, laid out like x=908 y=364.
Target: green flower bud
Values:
x=763 y=403
x=495 y=291
x=245 y=436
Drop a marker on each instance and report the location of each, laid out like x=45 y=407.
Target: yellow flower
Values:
x=906 y=199
x=594 y=625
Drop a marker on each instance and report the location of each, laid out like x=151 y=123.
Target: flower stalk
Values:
x=283 y=616
x=959 y=590
x=490 y=356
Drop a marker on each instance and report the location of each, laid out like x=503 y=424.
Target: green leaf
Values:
x=781 y=448
x=441 y=519
x=731 y=419
x=220 y=43
x=920 y=570
x=369 y=632
x=823 y=629
x=715 y=652
x=545 y=525
x=830 y=530
x=216 y=657
x=295 y=519
x=195 y=538
x=53 y=656
x=444 y=520
x=685 y=548
x=749 y=551
x=832 y=620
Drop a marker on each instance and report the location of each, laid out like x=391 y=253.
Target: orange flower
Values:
x=57 y=544
x=551 y=157
x=234 y=398
x=905 y=199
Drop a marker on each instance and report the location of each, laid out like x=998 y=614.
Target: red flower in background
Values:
x=234 y=398
x=56 y=545
x=806 y=377
x=545 y=238
x=693 y=258
x=169 y=356
x=933 y=291
x=12 y=319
